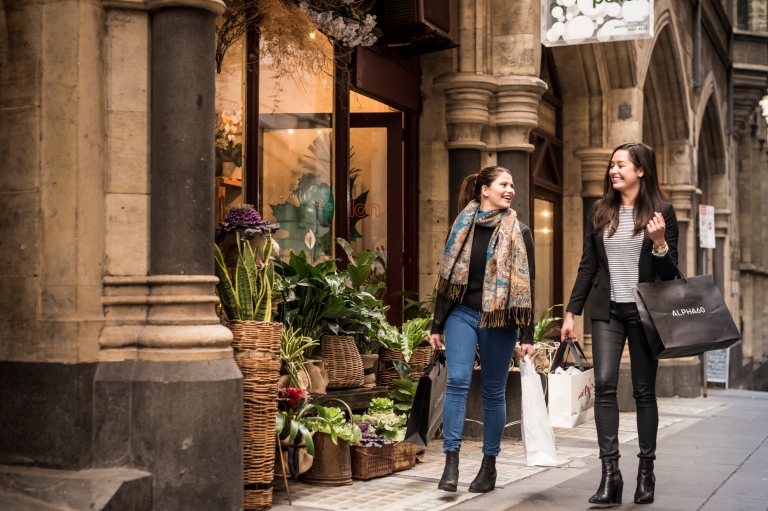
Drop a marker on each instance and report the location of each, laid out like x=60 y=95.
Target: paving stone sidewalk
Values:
x=712 y=455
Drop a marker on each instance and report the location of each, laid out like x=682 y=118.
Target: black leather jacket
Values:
x=443 y=305
x=593 y=270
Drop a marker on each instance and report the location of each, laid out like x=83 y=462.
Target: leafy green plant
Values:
x=413 y=309
x=292 y=419
x=403 y=393
x=403 y=368
x=250 y=298
x=542 y=330
x=233 y=153
x=293 y=351
x=413 y=333
x=331 y=420
x=381 y=405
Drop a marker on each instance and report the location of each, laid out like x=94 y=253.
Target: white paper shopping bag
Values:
x=538 y=437
x=571 y=398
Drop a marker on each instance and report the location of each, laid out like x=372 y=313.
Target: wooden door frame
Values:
x=393 y=122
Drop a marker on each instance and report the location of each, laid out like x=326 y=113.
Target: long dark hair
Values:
x=473 y=184
x=649 y=199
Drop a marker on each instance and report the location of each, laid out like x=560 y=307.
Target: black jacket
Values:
x=443 y=305
x=593 y=269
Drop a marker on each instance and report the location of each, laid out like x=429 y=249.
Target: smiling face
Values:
x=499 y=195
x=625 y=178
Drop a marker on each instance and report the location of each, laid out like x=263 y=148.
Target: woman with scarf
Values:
x=485 y=293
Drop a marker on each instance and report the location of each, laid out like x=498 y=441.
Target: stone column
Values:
x=517 y=98
x=168 y=392
x=681 y=197
x=467 y=96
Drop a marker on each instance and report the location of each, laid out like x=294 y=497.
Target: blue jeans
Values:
x=462 y=335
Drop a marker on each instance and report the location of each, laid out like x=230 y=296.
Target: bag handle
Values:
x=679 y=274
x=561 y=355
x=437 y=355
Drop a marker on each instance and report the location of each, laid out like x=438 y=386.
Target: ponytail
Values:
x=469 y=191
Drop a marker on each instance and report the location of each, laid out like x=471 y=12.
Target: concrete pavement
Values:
x=712 y=456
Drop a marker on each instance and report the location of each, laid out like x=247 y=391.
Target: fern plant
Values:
x=250 y=298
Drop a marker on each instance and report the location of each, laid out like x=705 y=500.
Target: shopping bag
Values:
x=538 y=437
x=571 y=394
x=427 y=410
x=685 y=317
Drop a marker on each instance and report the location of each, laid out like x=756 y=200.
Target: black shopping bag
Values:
x=427 y=410
x=685 y=317
x=561 y=356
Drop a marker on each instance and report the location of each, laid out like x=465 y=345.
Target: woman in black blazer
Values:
x=631 y=237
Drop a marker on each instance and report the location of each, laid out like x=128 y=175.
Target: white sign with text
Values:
x=707 y=226
x=566 y=22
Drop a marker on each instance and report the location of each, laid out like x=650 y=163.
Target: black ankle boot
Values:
x=486 y=478
x=450 y=479
x=646 y=482
x=611 y=485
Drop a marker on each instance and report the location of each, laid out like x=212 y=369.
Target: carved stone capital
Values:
x=722 y=222
x=162 y=317
x=467 y=96
x=517 y=99
x=681 y=197
x=594 y=165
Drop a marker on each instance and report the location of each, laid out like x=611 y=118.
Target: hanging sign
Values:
x=707 y=227
x=565 y=22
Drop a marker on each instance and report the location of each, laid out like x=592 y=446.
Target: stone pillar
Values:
x=517 y=98
x=467 y=96
x=168 y=392
x=681 y=197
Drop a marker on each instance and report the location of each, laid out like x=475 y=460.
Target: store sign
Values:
x=707 y=227
x=717 y=366
x=566 y=22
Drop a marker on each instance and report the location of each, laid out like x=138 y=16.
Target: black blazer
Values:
x=443 y=305
x=593 y=269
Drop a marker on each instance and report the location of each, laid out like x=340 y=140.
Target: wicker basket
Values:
x=405 y=456
x=370 y=462
x=419 y=361
x=332 y=465
x=345 y=366
x=256 y=335
x=257 y=500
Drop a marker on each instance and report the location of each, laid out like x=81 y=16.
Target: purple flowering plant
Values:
x=370 y=438
x=245 y=215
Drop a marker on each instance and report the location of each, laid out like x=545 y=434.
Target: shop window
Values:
x=544 y=232
x=230 y=143
x=296 y=155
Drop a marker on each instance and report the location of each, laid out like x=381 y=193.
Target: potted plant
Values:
x=333 y=435
x=293 y=351
x=372 y=456
x=296 y=445
x=403 y=345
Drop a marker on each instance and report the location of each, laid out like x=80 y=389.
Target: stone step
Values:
x=107 y=489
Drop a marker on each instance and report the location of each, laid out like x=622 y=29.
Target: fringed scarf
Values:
x=507 y=283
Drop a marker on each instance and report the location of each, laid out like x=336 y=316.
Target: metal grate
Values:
x=399 y=10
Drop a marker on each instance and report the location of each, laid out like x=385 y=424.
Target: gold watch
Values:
x=660 y=248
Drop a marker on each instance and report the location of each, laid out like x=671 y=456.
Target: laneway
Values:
x=712 y=455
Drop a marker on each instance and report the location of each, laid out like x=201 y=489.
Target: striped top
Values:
x=623 y=251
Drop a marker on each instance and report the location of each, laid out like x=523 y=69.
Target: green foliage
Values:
x=388 y=425
x=331 y=420
x=381 y=405
x=414 y=309
x=403 y=393
x=414 y=333
x=293 y=352
x=542 y=330
x=291 y=424
x=403 y=368
x=251 y=296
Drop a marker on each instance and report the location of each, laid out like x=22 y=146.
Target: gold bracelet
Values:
x=660 y=248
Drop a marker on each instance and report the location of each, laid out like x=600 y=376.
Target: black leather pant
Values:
x=607 y=345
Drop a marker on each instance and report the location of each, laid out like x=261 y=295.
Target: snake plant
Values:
x=250 y=298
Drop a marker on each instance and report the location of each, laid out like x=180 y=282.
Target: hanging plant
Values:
x=288 y=32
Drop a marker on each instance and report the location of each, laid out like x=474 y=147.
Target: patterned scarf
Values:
x=507 y=284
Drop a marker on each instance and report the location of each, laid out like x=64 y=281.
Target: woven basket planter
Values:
x=370 y=462
x=345 y=366
x=387 y=373
x=332 y=465
x=256 y=335
x=257 y=350
x=405 y=456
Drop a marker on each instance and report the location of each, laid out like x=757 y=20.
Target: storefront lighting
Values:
x=290 y=132
x=545 y=230
x=545 y=213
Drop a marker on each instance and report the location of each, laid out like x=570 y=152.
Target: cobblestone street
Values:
x=712 y=455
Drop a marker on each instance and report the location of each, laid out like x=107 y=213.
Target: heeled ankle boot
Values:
x=486 y=477
x=646 y=482
x=611 y=486
x=450 y=479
